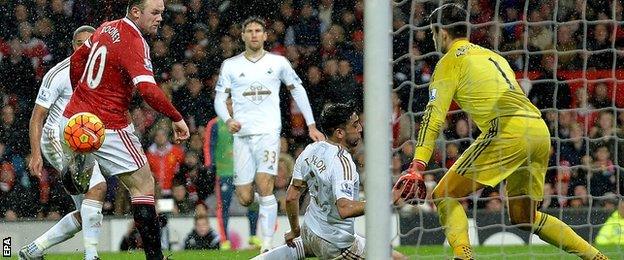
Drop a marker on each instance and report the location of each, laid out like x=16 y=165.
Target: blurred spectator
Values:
x=494 y=203
x=164 y=159
x=603 y=177
x=598 y=43
x=203 y=235
x=575 y=148
x=580 y=198
x=197 y=179
x=193 y=106
x=551 y=91
x=601 y=97
x=315 y=90
x=181 y=200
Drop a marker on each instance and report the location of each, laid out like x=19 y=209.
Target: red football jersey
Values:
x=105 y=70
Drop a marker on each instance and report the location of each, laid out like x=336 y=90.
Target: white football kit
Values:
x=54 y=94
x=254 y=88
x=330 y=174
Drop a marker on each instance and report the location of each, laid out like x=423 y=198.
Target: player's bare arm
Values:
x=349 y=209
x=35 y=165
x=293 y=194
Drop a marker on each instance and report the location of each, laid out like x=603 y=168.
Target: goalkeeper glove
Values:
x=411 y=184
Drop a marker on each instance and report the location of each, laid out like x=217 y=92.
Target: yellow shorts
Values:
x=515 y=149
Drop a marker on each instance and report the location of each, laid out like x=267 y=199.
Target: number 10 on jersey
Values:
x=95 y=54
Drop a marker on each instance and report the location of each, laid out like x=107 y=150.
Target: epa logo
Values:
x=6 y=247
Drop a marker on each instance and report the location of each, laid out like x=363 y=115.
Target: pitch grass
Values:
x=423 y=252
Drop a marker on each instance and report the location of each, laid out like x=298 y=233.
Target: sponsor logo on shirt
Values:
x=256 y=93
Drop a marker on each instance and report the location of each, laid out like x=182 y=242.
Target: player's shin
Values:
x=148 y=225
x=63 y=230
x=455 y=223
x=268 y=218
x=559 y=234
x=91 y=214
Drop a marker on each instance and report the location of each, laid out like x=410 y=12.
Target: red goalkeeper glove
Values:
x=411 y=184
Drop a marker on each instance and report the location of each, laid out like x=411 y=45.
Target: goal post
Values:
x=377 y=118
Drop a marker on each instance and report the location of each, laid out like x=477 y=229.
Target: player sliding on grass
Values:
x=328 y=171
x=514 y=144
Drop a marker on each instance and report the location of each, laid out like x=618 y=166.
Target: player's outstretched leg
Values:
x=65 y=229
x=550 y=229
x=284 y=252
x=140 y=184
x=452 y=215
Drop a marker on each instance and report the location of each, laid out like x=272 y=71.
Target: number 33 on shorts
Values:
x=270 y=156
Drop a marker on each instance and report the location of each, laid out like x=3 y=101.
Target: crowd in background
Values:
x=323 y=40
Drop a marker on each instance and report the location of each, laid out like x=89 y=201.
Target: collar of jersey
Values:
x=131 y=23
x=458 y=43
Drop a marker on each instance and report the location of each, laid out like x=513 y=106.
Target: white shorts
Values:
x=323 y=249
x=120 y=153
x=255 y=153
x=52 y=150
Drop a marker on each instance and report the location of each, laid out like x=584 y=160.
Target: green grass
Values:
x=423 y=252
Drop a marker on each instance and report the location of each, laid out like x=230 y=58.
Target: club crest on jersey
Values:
x=270 y=71
x=148 y=64
x=256 y=93
x=433 y=93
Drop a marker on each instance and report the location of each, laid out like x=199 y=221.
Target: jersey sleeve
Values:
x=136 y=61
x=288 y=76
x=343 y=178
x=224 y=83
x=301 y=167
x=51 y=88
x=441 y=91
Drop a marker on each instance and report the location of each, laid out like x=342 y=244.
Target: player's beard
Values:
x=353 y=142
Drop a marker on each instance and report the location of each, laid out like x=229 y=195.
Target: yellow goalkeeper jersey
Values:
x=483 y=85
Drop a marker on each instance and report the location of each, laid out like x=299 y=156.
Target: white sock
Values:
x=91 y=213
x=267 y=217
x=285 y=252
x=61 y=231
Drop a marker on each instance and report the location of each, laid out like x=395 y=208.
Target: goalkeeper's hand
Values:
x=411 y=186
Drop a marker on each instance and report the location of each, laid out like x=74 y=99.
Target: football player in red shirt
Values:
x=104 y=73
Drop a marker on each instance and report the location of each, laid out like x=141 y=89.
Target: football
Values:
x=84 y=133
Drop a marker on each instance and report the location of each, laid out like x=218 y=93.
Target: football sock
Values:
x=61 y=231
x=455 y=223
x=91 y=213
x=268 y=217
x=285 y=252
x=147 y=223
x=559 y=234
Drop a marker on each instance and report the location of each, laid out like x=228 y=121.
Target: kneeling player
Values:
x=328 y=170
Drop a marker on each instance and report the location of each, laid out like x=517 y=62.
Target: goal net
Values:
x=569 y=60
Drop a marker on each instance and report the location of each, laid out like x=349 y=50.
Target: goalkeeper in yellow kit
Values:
x=514 y=144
